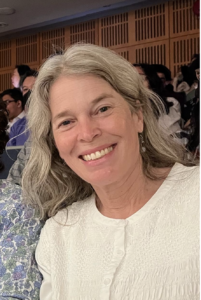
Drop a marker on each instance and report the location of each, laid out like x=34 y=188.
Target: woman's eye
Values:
x=103 y=109
x=65 y=123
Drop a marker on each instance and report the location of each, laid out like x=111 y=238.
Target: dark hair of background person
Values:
x=30 y=73
x=164 y=70
x=169 y=89
x=189 y=75
x=22 y=69
x=155 y=84
x=14 y=93
x=4 y=138
x=195 y=56
x=194 y=140
x=195 y=64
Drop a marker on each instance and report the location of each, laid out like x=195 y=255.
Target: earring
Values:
x=142 y=143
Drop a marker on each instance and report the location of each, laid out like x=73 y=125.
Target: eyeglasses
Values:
x=8 y=101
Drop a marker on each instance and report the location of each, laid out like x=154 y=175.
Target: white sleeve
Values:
x=43 y=260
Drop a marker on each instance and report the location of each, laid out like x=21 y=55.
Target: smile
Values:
x=97 y=154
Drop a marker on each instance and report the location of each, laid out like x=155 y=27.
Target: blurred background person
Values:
x=13 y=99
x=19 y=233
x=28 y=80
x=183 y=81
x=19 y=134
x=18 y=72
x=3 y=130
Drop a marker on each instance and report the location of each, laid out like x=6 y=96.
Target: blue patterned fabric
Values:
x=19 y=233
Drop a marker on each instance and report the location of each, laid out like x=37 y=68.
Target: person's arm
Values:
x=15 y=173
x=19 y=234
x=43 y=260
x=12 y=134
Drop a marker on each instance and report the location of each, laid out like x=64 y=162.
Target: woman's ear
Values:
x=140 y=118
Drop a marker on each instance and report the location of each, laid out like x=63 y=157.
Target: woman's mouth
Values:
x=98 y=154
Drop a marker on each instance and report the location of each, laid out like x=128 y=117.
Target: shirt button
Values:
x=107 y=281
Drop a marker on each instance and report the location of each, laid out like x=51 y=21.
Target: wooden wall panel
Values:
x=114 y=31
x=157 y=53
x=5 y=80
x=182 y=50
x=150 y=23
x=5 y=55
x=83 y=32
x=127 y=52
x=124 y=54
x=50 y=42
x=182 y=18
x=27 y=50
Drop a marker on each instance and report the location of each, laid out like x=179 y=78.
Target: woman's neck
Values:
x=124 y=198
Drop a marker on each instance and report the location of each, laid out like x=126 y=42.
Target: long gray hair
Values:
x=47 y=181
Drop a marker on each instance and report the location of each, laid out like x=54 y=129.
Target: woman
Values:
x=124 y=210
x=19 y=233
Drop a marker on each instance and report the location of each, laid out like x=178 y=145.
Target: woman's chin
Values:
x=101 y=180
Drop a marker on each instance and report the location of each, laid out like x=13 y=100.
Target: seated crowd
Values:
x=97 y=204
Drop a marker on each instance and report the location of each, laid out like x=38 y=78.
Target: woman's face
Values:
x=94 y=130
x=15 y=78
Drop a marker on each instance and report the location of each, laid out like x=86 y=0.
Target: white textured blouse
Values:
x=151 y=255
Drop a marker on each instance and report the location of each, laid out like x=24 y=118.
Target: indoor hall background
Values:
x=165 y=33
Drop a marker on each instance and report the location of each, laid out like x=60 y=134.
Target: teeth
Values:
x=97 y=154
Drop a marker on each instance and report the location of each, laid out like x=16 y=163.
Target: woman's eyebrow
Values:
x=101 y=97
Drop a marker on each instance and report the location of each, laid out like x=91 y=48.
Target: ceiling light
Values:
x=6 y=11
x=2 y=24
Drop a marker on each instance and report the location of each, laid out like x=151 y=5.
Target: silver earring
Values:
x=142 y=143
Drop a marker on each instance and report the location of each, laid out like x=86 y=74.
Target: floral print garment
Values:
x=19 y=233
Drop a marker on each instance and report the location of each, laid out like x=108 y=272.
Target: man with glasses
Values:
x=18 y=134
x=15 y=106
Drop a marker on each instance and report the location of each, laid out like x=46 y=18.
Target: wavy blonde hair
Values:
x=47 y=181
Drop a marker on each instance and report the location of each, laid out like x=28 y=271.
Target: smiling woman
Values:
x=116 y=187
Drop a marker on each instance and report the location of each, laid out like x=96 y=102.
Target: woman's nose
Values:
x=88 y=130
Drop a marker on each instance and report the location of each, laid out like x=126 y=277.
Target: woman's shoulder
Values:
x=186 y=182
x=187 y=172
x=72 y=213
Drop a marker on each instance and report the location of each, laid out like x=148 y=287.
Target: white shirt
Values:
x=20 y=116
x=152 y=255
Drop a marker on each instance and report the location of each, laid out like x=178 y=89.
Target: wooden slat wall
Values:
x=83 y=32
x=182 y=49
x=167 y=33
x=49 y=40
x=150 y=23
x=114 y=31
